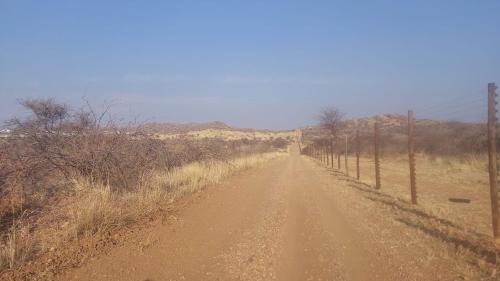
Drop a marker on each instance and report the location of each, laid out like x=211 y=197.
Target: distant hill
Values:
x=215 y=129
x=386 y=120
x=182 y=128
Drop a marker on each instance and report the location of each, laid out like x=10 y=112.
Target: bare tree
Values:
x=332 y=120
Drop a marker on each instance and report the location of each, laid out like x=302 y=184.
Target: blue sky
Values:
x=261 y=64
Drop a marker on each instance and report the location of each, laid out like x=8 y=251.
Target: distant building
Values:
x=5 y=133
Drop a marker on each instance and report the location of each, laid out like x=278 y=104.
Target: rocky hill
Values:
x=182 y=128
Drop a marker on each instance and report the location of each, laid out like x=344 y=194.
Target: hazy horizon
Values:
x=265 y=65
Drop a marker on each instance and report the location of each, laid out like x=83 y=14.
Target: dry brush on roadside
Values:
x=68 y=174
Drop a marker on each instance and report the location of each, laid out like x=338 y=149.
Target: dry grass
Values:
x=99 y=209
x=438 y=180
x=17 y=247
x=195 y=176
x=464 y=227
x=96 y=208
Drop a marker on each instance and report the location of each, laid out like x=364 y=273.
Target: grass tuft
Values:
x=17 y=246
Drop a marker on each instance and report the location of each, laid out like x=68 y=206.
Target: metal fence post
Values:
x=328 y=159
x=358 y=147
x=411 y=156
x=332 y=152
x=377 y=156
x=492 y=163
x=338 y=152
x=346 y=162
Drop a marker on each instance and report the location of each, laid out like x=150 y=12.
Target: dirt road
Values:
x=290 y=219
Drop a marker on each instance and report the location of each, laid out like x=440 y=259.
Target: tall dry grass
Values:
x=99 y=208
x=195 y=176
x=18 y=246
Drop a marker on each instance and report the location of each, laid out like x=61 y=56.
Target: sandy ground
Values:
x=290 y=219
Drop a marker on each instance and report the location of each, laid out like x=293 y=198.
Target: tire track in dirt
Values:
x=254 y=256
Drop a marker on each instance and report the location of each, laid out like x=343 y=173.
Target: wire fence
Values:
x=444 y=164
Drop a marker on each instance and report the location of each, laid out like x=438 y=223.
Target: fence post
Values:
x=332 y=151
x=318 y=153
x=346 y=162
x=411 y=156
x=492 y=163
x=377 y=156
x=327 y=154
x=358 y=147
x=325 y=149
x=323 y=154
x=338 y=152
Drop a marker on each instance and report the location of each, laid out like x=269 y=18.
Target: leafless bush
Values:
x=49 y=154
x=55 y=143
x=451 y=138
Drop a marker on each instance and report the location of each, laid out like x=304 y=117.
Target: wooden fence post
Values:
x=338 y=152
x=411 y=156
x=358 y=147
x=332 y=152
x=328 y=158
x=320 y=153
x=492 y=163
x=346 y=162
x=324 y=154
x=377 y=156
x=318 y=149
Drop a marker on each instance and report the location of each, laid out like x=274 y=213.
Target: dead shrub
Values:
x=92 y=175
